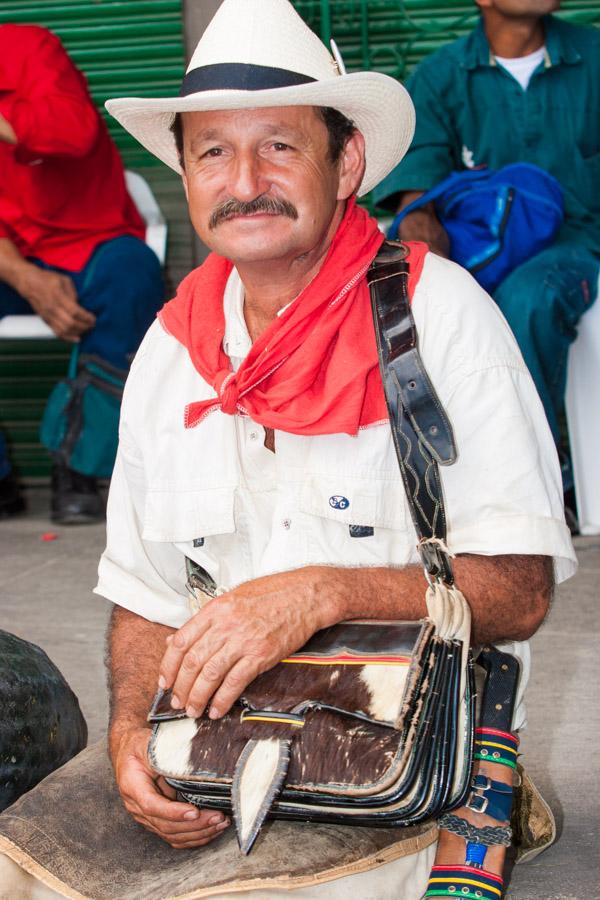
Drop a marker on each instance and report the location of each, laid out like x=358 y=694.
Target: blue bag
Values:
x=495 y=220
x=81 y=420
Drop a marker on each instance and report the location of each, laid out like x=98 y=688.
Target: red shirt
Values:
x=62 y=186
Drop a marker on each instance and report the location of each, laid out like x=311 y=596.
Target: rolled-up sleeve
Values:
x=49 y=108
x=145 y=577
x=513 y=504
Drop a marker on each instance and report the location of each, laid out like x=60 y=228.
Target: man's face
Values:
x=276 y=160
x=521 y=8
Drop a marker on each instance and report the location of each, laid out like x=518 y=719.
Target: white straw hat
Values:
x=260 y=53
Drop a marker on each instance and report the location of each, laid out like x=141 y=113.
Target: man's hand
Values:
x=151 y=801
x=243 y=633
x=54 y=298
x=423 y=225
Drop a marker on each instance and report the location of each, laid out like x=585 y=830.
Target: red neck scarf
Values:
x=315 y=369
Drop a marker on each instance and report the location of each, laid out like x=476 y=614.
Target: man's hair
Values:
x=339 y=128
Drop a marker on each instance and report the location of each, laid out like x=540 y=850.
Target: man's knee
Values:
x=124 y=278
x=558 y=284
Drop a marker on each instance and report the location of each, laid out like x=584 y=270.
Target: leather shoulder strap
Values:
x=421 y=430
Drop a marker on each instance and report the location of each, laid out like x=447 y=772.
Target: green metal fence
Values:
x=392 y=36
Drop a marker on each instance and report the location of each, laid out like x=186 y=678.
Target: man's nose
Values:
x=248 y=178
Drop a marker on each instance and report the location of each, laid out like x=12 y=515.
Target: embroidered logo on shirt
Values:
x=467 y=157
x=339 y=502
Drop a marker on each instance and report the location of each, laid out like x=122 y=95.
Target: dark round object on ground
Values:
x=41 y=724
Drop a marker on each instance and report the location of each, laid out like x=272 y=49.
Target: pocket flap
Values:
x=180 y=516
x=355 y=501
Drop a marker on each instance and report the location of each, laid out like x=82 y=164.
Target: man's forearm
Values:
x=508 y=595
x=135 y=648
x=13 y=267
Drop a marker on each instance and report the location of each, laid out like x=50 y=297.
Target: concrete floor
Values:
x=46 y=597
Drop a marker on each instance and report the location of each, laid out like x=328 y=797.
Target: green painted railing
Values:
x=392 y=36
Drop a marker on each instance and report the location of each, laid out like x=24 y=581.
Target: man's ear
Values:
x=351 y=166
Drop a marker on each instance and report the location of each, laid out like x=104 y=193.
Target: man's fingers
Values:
x=188 y=830
x=196 y=842
x=68 y=325
x=68 y=287
x=79 y=317
x=83 y=318
x=178 y=646
x=238 y=678
x=202 y=670
x=139 y=790
x=209 y=825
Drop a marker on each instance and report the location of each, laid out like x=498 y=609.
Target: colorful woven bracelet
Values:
x=496 y=746
x=464 y=882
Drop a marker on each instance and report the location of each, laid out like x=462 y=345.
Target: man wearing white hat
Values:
x=256 y=402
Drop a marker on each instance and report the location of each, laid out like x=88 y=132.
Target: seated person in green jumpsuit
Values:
x=524 y=86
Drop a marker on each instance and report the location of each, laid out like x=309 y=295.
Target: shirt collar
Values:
x=236 y=340
x=558 y=47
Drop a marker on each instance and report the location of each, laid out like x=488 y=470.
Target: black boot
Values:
x=75 y=497
x=11 y=500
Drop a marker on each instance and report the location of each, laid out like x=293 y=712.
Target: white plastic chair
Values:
x=156 y=238
x=583 y=420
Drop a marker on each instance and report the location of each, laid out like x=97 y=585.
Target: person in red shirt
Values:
x=71 y=240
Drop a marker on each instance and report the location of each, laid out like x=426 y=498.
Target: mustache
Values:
x=261 y=204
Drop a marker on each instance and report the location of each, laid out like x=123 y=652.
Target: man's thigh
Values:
x=543 y=301
x=122 y=286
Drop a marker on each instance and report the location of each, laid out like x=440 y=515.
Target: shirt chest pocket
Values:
x=191 y=515
x=356 y=521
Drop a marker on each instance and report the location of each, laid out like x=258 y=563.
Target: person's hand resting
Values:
x=243 y=633
x=151 y=801
x=53 y=297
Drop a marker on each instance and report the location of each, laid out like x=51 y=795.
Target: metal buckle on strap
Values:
x=436 y=563
x=477 y=802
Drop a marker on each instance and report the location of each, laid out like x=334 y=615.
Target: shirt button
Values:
x=253 y=435
x=287 y=524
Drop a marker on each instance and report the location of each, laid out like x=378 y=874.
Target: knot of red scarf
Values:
x=228 y=393
x=315 y=369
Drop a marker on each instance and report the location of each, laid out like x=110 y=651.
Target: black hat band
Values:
x=239 y=77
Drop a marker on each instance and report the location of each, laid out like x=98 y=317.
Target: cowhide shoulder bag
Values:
x=370 y=722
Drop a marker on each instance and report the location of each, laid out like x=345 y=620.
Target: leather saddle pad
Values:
x=74 y=835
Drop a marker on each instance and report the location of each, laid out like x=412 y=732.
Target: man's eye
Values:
x=214 y=151
x=278 y=145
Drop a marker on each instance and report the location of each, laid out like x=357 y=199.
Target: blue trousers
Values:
x=543 y=301
x=122 y=285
